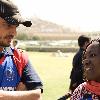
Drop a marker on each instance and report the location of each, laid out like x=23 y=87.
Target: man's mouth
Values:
x=9 y=37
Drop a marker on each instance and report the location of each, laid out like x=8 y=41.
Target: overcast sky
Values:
x=83 y=15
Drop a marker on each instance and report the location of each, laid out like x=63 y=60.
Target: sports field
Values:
x=54 y=70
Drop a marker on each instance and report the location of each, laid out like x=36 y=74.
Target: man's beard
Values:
x=4 y=45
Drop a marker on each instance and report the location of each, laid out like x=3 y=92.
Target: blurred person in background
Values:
x=77 y=69
x=18 y=79
x=90 y=89
x=14 y=43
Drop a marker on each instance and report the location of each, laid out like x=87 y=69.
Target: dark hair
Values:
x=9 y=12
x=92 y=41
x=82 y=39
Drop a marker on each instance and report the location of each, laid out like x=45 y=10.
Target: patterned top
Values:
x=81 y=93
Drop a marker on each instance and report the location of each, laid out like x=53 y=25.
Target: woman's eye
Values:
x=92 y=55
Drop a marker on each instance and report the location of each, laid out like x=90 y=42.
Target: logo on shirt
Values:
x=8 y=88
x=9 y=73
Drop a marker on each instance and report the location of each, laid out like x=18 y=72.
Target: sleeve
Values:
x=30 y=78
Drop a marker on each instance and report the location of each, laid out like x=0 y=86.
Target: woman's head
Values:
x=91 y=61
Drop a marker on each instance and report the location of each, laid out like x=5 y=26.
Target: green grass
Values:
x=54 y=72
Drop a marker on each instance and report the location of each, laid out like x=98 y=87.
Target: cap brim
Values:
x=16 y=20
x=26 y=23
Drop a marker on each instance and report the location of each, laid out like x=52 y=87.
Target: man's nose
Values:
x=13 y=30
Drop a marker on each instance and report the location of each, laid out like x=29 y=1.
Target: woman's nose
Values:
x=86 y=62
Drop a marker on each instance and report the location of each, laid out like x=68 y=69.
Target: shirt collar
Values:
x=7 y=51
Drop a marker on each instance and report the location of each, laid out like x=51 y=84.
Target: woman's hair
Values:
x=91 y=42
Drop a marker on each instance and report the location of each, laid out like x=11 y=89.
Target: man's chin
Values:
x=4 y=45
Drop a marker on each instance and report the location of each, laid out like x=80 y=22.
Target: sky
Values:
x=82 y=15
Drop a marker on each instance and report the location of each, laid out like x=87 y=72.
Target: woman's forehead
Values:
x=93 y=47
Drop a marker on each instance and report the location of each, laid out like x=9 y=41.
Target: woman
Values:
x=90 y=90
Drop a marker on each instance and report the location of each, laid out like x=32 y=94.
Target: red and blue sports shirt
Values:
x=14 y=68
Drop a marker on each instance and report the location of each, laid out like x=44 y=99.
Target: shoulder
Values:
x=77 y=56
x=20 y=59
x=79 y=92
x=77 y=53
x=21 y=55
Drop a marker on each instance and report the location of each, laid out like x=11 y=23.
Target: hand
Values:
x=21 y=87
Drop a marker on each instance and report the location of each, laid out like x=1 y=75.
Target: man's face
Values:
x=7 y=33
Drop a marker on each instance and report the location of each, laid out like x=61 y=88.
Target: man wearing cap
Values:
x=18 y=79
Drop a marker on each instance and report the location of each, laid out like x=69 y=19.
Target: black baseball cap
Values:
x=9 y=12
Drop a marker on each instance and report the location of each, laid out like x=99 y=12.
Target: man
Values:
x=77 y=70
x=18 y=80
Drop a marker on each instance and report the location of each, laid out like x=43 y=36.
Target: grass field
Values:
x=54 y=72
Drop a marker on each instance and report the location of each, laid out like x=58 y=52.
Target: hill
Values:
x=48 y=30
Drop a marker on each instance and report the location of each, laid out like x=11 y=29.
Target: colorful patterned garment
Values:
x=15 y=67
x=81 y=93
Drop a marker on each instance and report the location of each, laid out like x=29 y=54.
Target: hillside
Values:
x=49 y=30
x=42 y=26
